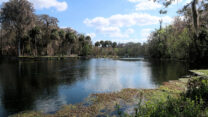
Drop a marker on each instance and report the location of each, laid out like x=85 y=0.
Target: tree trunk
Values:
x=18 y=38
x=195 y=16
x=36 y=50
x=1 y=43
x=19 y=48
x=196 y=25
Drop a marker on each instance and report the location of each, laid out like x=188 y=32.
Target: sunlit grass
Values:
x=200 y=72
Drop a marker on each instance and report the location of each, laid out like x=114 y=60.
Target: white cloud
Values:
x=98 y=21
x=136 y=40
x=112 y=26
x=46 y=4
x=167 y=19
x=142 y=5
x=126 y=20
x=114 y=32
x=41 y=4
x=146 y=32
x=92 y=35
x=147 y=5
x=108 y=30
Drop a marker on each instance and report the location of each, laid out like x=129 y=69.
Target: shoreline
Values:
x=106 y=104
x=56 y=57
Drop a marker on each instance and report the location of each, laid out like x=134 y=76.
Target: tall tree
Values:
x=70 y=39
x=97 y=44
x=195 y=14
x=35 y=35
x=47 y=24
x=1 y=34
x=17 y=15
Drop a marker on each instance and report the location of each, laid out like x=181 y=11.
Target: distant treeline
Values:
x=108 y=48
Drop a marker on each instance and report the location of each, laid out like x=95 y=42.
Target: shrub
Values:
x=192 y=103
x=198 y=88
x=182 y=107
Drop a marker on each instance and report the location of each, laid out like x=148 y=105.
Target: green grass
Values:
x=201 y=72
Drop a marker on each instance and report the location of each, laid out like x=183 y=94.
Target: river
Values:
x=46 y=85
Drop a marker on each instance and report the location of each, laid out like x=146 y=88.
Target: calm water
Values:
x=46 y=85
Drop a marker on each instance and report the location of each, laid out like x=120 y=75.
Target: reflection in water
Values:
x=46 y=85
x=167 y=70
x=115 y=75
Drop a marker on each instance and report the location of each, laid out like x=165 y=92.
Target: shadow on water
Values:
x=167 y=70
x=22 y=83
x=46 y=85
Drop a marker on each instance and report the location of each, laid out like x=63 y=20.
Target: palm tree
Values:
x=35 y=34
x=69 y=41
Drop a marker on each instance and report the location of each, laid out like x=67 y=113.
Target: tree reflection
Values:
x=167 y=70
x=23 y=83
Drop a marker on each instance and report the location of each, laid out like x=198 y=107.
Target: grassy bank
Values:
x=124 y=103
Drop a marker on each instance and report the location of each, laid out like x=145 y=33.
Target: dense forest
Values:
x=23 y=33
x=186 y=38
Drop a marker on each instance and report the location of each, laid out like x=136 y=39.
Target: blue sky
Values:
x=115 y=20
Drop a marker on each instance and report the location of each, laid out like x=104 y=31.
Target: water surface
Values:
x=46 y=85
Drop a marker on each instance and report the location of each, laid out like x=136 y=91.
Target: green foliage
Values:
x=97 y=44
x=114 y=45
x=185 y=39
x=181 y=46
x=86 y=50
x=174 y=107
x=173 y=43
x=198 y=88
x=108 y=48
x=70 y=37
x=192 y=103
x=61 y=34
x=54 y=34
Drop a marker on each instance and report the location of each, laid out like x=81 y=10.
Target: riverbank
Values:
x=38 y=57
x=48 y=57
x=56 y=57
x=108 y=104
